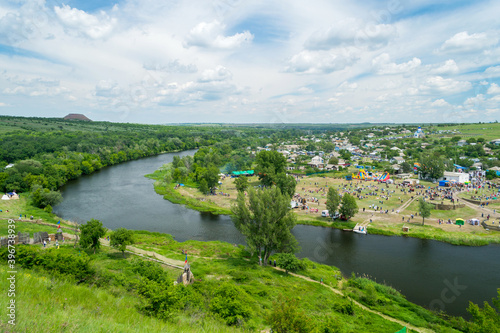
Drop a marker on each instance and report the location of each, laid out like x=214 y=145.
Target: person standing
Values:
x=44 y=243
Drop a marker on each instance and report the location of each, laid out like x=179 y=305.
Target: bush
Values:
x=43 y=197
x=289 y=262
x=286 y=317
x=231 y=303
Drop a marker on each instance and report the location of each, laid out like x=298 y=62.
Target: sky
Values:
x=234 y=61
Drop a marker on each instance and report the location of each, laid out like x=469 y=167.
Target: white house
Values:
x=317 y=162
x=397 y=159
x=459 y=177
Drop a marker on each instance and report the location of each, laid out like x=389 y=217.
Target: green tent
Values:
x=459 y=222
x=403 y=330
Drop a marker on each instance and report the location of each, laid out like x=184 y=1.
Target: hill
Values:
x=76 y=116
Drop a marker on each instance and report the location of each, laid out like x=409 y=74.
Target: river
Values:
x=430 y=273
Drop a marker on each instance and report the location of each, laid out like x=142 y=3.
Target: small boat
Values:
x=359 y=229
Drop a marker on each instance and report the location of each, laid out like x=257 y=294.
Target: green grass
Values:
x=168 y=192
x=488 y=131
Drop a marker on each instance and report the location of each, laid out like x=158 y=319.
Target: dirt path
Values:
x=338 y=292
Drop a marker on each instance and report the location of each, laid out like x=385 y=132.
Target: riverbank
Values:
x=400 y=205
x=327 y=299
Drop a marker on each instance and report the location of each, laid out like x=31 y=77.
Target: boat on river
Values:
x=359 y=229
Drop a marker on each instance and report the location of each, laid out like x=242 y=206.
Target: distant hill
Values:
x=76 y=116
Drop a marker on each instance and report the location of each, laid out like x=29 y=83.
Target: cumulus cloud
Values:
x=494 y=89
x=462 y=42
x=383 y=65
x=437 y=84
x=210 y=35
x=86 y=24
x=219 y=73
x=317 y=62
x=448 y=68
x=351 y=32
x=440 y=103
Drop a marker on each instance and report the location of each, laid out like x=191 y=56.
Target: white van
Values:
x=325 y=213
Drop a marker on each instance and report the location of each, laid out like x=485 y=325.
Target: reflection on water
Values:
x=120 y=196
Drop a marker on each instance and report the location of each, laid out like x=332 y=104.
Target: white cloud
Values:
x=494 y=89
x=219 y=73
x=210 y=35
x=440 y=103
x=382 y=65
x=437 y=84
x=463 y=42
x=448 y=68
x=174 y=66
x=350 y=32
x=321 y=62
x=89 y=25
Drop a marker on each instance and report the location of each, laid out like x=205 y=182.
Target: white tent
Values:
x=5 y=197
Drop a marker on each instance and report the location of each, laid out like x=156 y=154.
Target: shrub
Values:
x=231 y=303
x=286 y=317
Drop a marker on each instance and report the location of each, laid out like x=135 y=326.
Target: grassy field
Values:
x=11 y=209
x=488 y=131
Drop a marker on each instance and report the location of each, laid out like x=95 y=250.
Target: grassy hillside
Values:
x=71 y=290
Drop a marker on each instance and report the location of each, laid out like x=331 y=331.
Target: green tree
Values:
x=269 y=164
x=431 y=167
x=266 y=221
x=487 y=319
x=91 y=232
x=424 y=208
x=203 y=186
x=334 y=161
x=285 y=317
x=288 y=261
x=241 y=183
x=120 y=238
x=42 y=197
x=407 y=168
x=332 y=200
x=211 y=175
x=349 y=207
x=286 y=184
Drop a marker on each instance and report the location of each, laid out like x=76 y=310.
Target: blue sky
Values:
x=262 y=61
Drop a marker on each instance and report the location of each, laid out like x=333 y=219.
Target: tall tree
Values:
x=424 y=208
x=269 y=164
x=332 y=200
x=266 y=221
x=349 y=206
x=431 y=167
x=241 y=183
x=90 y=233
x=286 y=183
x=120 y=238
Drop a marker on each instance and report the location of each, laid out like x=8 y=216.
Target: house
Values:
x=459 y=177
x=462 y=143
x=317 y=162
x=495 y=142
x=330 y=167
x=397 y=159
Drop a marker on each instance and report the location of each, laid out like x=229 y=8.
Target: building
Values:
x=459 y=177
x=397 y=159
x=419 y=133
x=317 y=162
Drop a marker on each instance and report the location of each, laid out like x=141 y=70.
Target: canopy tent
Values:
x=459 y=222
x=246 y=173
